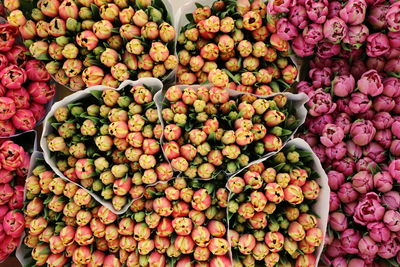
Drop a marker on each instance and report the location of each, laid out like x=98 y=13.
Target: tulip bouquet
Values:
x=108 y=141
x=86 y=43
x=24 y=86
x=329 y=28
x=208 y=129
x=183 y=221
x=65 y=225
x=271 y=220
x=353 y=128
x=234 y=44
x=174 y=222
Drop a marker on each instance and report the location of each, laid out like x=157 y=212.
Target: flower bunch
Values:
x=270 y=211
x=352 y=127
x=184 y=220
x=24 y=86
x=110 y=143
x=329 y=27
x=208 y=130
x=14 y=164
x=86 y=43
x=65 y=225
x=235 y=44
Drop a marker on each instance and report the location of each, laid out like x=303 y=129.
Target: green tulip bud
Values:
x=39 y=169
x=73 y=25
x=93 y=110
x=76 y=111
x=259 y=148
x=97 y=185
x=63 y=40
x=124 y=101
x=139 y=216
x=276 y=131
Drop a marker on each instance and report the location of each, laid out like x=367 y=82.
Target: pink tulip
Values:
x=359 y=103
x=349 y=239
x=304 y=87
x=317 y=10
x=353 y=13
x=319 y=150
x=343 y=121
x=320 y=103
x=362 y=132
x=286 y=30
x=362 y=182
x=384 y=138
x=347 y=193
x=383 y=181
x=365 y=164
x=392 y=17
x=388 y=249
x=390 y=87
x=327 y=49
x=338 y=221
x=393 y=65
x=345 y=166
x=395 y=148
x=356 y=262
x=382 y=120
x=331 y=135
x=313 y=33
x=341 y=67
x=301 y=48
x=391 y=200
x=378 y=232
x=369 y=209
x=377 y=44
x=383 y=103
x=376 y=16
x=367 y=246
x=374 y=151
x=336 y=152
x=334 y=250
x=354 y=151
x=334 y=9
x=392 y=220
x=356 y=35
x=350 y=208
x=370 y=83
x=334 y=202
x=317 y=124
x=335 y=29
x=335 y=179
x=298 y=16
x=343 y=85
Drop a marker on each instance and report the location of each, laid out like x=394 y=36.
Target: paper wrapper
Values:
x=320 y=208
x=153 y=83
x=189 y=6
x=298 y=99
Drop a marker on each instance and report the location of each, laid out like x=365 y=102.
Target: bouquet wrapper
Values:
x=155 y=84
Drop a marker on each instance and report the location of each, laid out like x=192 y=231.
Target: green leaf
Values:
x=97 y=94
x=190 y=18
x=43 y=57
x=96 y=12
x=198 y=5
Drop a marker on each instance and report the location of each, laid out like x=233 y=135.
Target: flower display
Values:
x=24 y=86
x=110 y=143
x=86 y=43
x=270 y=212
x=207 y=129
x=352 y=126
x=235 y=44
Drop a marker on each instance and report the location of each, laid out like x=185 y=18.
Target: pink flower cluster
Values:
x=354 y=128
x=24 y=86
x=329 y=27
x=14 y=165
